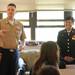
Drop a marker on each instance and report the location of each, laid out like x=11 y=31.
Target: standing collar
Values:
x=70 y=31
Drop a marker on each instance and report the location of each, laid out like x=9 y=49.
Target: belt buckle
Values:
x=11 y=50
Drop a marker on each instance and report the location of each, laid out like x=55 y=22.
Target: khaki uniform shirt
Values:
x=15 y=32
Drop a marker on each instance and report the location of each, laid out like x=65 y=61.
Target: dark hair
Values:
x=48 y=70
x=48 y=52
x=12 y=4
x=48 y=55
x=69 y=18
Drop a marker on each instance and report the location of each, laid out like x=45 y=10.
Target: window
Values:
x=25 y=23
x=50 y=18
x=50 y=23
x=50 y=15
x=22 y=15
x=54 y=19
x=47 y=34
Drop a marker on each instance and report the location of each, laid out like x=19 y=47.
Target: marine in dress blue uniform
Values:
x=66 y=42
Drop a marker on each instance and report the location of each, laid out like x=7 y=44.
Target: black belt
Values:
x=12 y=50
x=7 y=50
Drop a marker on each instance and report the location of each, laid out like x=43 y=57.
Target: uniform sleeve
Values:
x=59 y=39
x=23 y=36
x=0 y=24
x=59 y=42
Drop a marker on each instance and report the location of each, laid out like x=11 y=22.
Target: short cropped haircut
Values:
x=12 y=4
x=69 y=18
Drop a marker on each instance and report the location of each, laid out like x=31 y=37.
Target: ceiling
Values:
x=26 y=5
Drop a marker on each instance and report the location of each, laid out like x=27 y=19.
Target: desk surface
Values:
x=67 y=72
x=70 y=70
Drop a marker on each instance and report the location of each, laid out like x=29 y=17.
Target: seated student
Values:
x=22 y=66
x=48 y=70
x=48 y=56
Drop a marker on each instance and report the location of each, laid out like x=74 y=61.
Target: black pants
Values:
x=9 y=61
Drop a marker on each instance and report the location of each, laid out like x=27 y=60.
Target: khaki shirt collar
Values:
x=15 y=22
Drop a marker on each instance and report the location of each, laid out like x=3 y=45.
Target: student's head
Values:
x=68 y=22
x=11 y=9
x=49 y=52
x=48 y=56
x=48 y=70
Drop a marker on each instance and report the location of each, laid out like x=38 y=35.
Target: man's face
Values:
x=11 y=11
x=68 y=24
